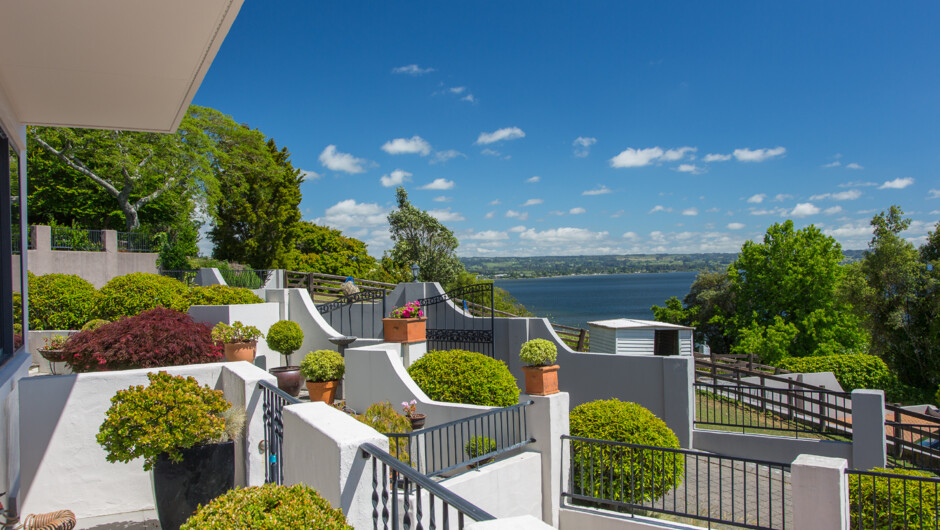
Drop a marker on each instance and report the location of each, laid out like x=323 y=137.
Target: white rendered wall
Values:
x=506 y=488
x=13 y=371
x=62 y=465
x=261 y=316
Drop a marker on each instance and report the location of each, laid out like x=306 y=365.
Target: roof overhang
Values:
x=106 y=64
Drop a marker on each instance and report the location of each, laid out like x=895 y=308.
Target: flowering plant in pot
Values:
x=286 y=337
x=405 y=324
x=411 y=412
x=184 y=431
x=52 y=349
x=323 y=369
x=541 y=372
x=240 y=342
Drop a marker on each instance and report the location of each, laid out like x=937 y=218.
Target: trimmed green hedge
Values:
x=60 y=301
x=459 y=376
x=137 y=292
x=906 y=504
x=221 y=295
x=268 y=507
x=851 y=371
x=606 y=471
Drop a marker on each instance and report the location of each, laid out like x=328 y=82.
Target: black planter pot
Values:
x=206 y=472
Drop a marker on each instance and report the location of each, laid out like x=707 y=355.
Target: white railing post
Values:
x=820 y=493
x=547 y=421
x=869 y=449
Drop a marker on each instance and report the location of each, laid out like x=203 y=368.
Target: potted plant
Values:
x=479 y=446
x=405 y=324
x=411 y=412
x=184 y=431
x=286 y=337
x=240 y=342
x=541 y=372
x=52 y=350
x=323 y=369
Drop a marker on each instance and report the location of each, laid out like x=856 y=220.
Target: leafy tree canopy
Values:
x=422 y=239
x=327 y=250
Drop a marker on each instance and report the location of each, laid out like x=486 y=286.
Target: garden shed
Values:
x=627 y=336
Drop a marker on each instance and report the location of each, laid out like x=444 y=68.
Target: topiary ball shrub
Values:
x=60 y=301
x=95 y=324
x=851 y=371
x=538 y=352
x=285 y=337
x=609 y=477
x=221 y=295
x=137 y=292
x=459 y=376
x=323 y=365
x=905 y=504
x=159 y=337
x=268 y=507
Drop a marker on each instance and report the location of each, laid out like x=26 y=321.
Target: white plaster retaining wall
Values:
x=62 y=465
x=261 y=316
x=11 y=373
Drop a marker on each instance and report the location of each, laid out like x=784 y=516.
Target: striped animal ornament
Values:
x=60 y=520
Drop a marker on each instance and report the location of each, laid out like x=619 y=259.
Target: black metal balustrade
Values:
x=358 y=314
x=885 y=500
x=641 y=480
x=461 y=319
x=404 y=498
x=187 y=276
x=274 y=400
x=437 y=450
x=136 y=242
x=77 y=239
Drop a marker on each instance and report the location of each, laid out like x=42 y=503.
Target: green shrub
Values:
x=234 y=333
x=538 y=352
x=479 y=446
x=323 y=365
x=906 y=504
x=458 y=376
x=95 y=324
x=610 y=472
x=60 y=301
x=268 y=507
x=384 y=418
x=170 y=414
x=851 y=371
x=285 y=337
x=221 y=295
x=137 y=292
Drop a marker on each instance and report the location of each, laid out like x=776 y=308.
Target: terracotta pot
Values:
x=405 y=330
x=417 y=421
x=324 y=391
x=541 y=380
x=240 y=351
x=288 y=379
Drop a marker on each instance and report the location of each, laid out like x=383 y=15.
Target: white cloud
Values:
x=488 y=235
x=602 y=190
x=848 y=195
x=489 y=215
x=349 y=213
x=402 y=146
x=495 y=202
x=933 y=194
x=457 y=89
x=395 y=178
x=438 y=184
x=532 y=180
x=517 y=229
x=412 y=69
x=337 y=161
x=853 y=165
x=630 y=235
x=772 y=211
x=508 y=133
x=443 y=156
x=757 y=199
x=851 y=231
x=736 y=226
x=897 y=184
x=582 y=146
x=491 y=152
x=857 y=184
x=446 y=215
x=442 y=198
x=532 y=202
x=660 y=208
x=556 y=212
x=780 y=197
x=658 y=236
x=714 y=157
x=577 y=210
x=671 y=155
x=561 y=236
x=306 y=176
x=833 y=164
x=832 y=210
x=690 y=211
x=512 y=214
x=630 y=157
x=689 y=168
x=757 y=155
x=469 y=98
x=803 y=209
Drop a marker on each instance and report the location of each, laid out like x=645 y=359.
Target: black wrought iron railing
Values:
x=77 y=239
x=187 y=276
x=750 y=407
x=640 y=479
x=887 y=500
x=465 y=442
x=274 y=400
x=461 y=319
x=250 y=278
x=359 y=314
x=136 y=242
x=404 y=498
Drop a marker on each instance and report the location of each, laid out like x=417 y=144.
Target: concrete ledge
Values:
x=770 y=448
x=573 y=518
x=523 y=522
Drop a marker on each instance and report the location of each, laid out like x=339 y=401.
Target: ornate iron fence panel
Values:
x=461 y=319
x=273 y=403
x=359 y=314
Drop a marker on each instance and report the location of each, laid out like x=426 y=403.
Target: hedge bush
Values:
x=384 y=418
x=538 y=352
x=60 y=301
x=323 y=365
x=159 y=337
x=459 y=376
x=137 y=292
x=221 y=295
x=851 y=371
x=910 y=504
x=610 y=473
x=268 y=507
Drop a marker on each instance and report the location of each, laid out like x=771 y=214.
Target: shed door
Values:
x=666 y=342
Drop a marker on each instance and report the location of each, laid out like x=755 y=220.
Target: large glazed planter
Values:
x=541 y=380
x=288 y=379
x=206 y=472
x=405 y=330
x=322 y=391
x=240 y=351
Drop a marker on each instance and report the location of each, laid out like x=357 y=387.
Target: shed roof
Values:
x=631 y=323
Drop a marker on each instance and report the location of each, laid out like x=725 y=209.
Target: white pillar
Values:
x=868 y=429
x=547 y=421
x=820 y=493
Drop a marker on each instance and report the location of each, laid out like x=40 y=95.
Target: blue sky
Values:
x=548 y=128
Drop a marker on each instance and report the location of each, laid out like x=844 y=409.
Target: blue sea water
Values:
x=577 y=300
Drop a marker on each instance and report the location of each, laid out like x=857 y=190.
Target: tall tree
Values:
x=327 y=250
x=707 y=308
x=422 y=239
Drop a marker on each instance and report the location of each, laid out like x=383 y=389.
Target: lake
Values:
x=577 y=300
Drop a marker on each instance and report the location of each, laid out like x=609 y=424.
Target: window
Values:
x=666 y=342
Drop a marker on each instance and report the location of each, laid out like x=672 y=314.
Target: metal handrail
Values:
x=280 y=393
x=463 y=506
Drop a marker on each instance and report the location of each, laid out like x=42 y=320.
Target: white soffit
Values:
x=109 y=64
